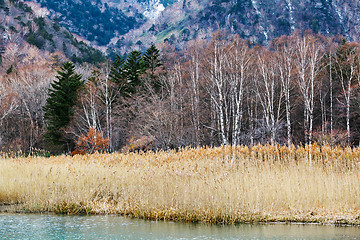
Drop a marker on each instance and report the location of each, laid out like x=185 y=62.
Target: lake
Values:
x=39 y=226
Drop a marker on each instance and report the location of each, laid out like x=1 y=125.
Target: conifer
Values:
x=152 y=59
x=133 y=68
x=62 y=97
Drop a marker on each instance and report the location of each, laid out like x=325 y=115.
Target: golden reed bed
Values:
x=213 y=185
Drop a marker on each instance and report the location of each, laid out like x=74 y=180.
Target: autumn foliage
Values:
x=91 y=143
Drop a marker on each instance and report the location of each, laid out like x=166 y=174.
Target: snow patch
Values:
x=337 y=10
x=153 y=9
x=254 y=3
x=291 y=14
x=37 y=9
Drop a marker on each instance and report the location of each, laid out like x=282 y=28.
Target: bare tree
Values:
x=8 y=104
x=217 y=52
x=269 y=92
x=108 y=97
x=95 y=105
x=238 y=63
x=28 y=88
x=346 y=62
x=308 y=55
x=195 y=54
x=285 y=52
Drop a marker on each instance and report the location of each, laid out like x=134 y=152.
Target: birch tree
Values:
x=195 y=55
x=268 y=92
x=108 y=97
x=238 y=63
x=285 y=66
x=217 y=89
x=309 y=51
x=346 y=62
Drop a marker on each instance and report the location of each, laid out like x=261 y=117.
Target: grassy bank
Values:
x=214 y=185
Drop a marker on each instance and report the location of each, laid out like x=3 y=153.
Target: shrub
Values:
x=91 y=143
x=338 y=137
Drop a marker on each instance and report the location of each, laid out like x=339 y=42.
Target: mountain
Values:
x=96 y=21
x=24 y=25
x=257 y=20
x=124 y=25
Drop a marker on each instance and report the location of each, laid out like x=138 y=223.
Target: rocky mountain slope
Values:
x=256 y=20
x=124 y=25
x=96 y=21
x=24 y=25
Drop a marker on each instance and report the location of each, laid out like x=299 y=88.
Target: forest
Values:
x=301 y=89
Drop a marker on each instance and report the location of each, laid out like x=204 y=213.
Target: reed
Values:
x=213 y=185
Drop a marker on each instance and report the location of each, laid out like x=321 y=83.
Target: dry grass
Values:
x=215 y=185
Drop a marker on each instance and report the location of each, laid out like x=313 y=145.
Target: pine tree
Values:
x=58 y=108
x=133 y=68
x=152 y=59
x=117 y=73
x=10 y=69
x=126 y=73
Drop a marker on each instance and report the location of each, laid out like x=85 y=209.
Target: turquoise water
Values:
x=31 y=226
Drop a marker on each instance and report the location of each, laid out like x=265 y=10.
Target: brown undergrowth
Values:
x=212 y=185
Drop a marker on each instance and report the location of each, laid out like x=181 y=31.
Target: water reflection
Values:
x=31 y=226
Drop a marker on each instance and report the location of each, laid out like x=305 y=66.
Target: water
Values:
x=23 y=226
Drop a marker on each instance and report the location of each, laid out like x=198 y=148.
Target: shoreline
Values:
x=341 y=222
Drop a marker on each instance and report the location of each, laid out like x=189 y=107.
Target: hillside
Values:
x=94 y=20
x=124 y=25
x=260 y=21
x=24 y=25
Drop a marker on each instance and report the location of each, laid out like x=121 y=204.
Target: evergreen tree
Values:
x=58 y=108
x=117 y=73
x=152 y=59
x=151 y=62
x=126 y=73
x=10 y=69
x=133 y=68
